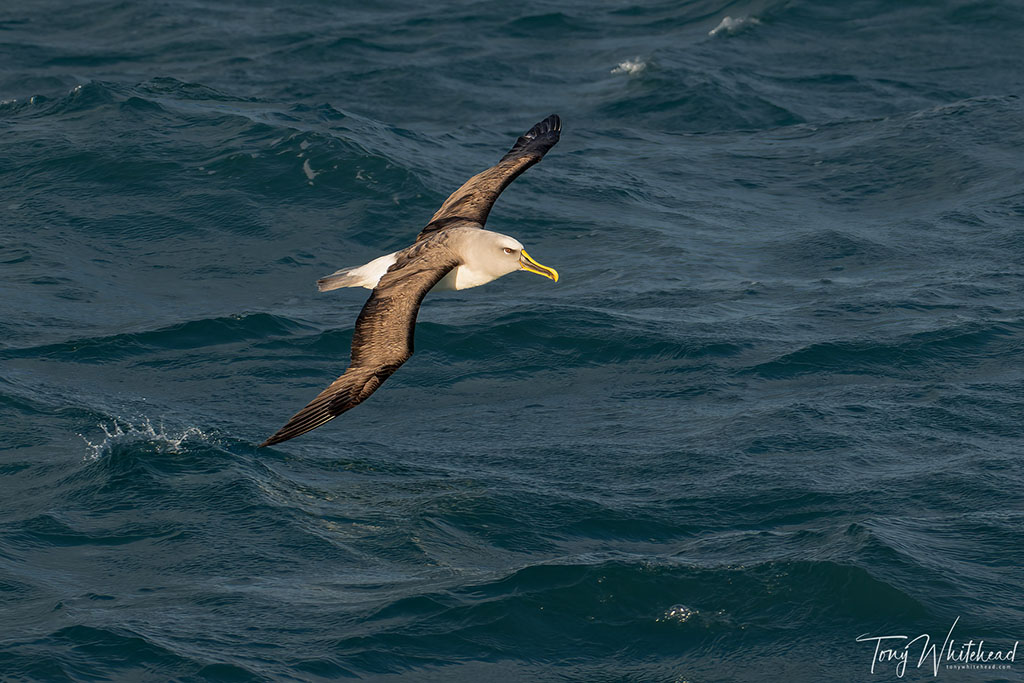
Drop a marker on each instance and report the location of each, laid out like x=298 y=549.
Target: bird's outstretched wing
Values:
x=473 y=201
x=383 y=337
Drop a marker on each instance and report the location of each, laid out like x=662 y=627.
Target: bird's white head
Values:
x=492 y=255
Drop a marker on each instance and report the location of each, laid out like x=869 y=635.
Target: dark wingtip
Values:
x=551 y=123
x=551 y=126
x=319 y=411
x=539 y=139
x=297 y=426
x=284 y=434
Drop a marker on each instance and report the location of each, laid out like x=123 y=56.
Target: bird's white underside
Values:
x=369 y=274
x=481 y=253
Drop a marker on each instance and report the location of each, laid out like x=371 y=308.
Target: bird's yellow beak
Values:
x=527 y=263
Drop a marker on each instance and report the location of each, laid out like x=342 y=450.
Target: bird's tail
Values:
x=366 y=275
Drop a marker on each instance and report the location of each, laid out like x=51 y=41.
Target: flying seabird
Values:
x=452 y=252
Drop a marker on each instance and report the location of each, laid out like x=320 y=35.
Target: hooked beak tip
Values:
x=527 y=263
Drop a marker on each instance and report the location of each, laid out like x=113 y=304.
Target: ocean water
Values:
x=774 y=404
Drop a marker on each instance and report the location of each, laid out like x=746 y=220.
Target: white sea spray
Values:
x=631 y=67
x=730 y=26
x=144 y=431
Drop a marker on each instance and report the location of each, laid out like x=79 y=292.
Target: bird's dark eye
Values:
x=509 y=250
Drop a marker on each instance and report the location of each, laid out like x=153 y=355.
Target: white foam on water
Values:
x=308 y=170
x=631 y=67
x=678 y=613
x=144 y=432
x=730 y=26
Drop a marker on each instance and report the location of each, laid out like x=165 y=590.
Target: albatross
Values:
x=452 y=252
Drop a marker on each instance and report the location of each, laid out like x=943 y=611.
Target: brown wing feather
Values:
x=473 y=201
x=383 y=336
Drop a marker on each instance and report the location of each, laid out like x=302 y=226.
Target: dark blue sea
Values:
x=771 y=417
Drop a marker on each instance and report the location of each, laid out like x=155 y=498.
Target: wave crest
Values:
x=730 y=26
x=157 y=437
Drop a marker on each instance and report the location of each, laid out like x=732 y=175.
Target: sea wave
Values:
x=194 y=334
x=242 y=140
x=962 y=345
x=731 y=26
